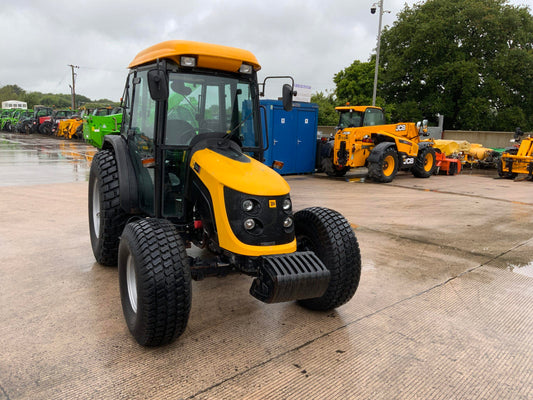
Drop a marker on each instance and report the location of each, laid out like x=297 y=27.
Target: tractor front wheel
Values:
x=329 y=235
x=155 y=281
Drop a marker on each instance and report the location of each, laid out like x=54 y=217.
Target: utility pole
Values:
x=73 y=87
x=373 y=11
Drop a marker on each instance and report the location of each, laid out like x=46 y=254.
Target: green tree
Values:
x=355 y=84
x=470 y=60
x=327 y=116
x=11 y=92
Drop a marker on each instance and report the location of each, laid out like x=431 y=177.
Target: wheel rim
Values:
x=388 y=165
x=428 y=162
x=96 y=208
x=131 y=282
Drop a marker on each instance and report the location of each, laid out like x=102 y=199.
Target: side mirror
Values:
x=158 y=85
x=287 y=97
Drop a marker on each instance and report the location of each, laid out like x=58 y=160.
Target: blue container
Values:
x=291 y=136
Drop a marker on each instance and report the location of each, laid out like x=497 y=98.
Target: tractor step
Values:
x=293 y=276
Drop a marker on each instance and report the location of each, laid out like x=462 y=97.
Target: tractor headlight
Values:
x=287 y=222
x=286 y=204
x=187 y=61
x=246 y=69
x=247 y=205
x=249 y=224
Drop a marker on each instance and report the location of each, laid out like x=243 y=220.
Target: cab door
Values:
x=139 y=128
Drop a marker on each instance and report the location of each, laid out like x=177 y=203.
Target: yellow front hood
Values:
x=250 y=177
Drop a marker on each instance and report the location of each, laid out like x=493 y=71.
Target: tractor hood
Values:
x=237 y=171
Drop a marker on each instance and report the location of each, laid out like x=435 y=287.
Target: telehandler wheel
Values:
x=106 y=217
x=385 y=169
x=501 y=172
x=329 y=235
x=155 y=281
x=425 y=163
x=331 y=170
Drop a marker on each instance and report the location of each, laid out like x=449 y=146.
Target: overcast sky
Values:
x=309 y=39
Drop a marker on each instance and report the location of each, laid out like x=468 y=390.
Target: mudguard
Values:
x=378 y=150
x=129 y=195
x=423 y=145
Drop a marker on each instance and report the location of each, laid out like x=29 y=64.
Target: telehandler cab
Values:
x=364 y=140
x=184 y=171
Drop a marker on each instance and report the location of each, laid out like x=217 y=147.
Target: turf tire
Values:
x=153 y=265
x=329 y=235
x=106 y=218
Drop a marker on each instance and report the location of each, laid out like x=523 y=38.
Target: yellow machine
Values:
x=184 y=173
x=364 y=140
x=466 y=152
x=69 y=128
x=518 y=159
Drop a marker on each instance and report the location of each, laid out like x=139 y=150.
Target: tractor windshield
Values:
x=350 y=119
x=355 y=119
x=199 y=104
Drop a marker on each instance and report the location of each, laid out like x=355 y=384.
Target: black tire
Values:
x=501 y=172
x=386 y=168
x=331 y=169
x=155 y=281
x=425 y=163
x=106 y=218
x=331 y=238
x=45 y=128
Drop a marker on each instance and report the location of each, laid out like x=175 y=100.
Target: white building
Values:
x=14 y=104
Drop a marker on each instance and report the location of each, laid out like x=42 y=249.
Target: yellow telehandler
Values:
x=364 y=140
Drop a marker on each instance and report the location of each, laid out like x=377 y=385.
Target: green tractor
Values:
x=101 y=122
x=181 y=194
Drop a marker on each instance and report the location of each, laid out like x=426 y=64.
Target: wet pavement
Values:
x=443 y=309
x=35 y=159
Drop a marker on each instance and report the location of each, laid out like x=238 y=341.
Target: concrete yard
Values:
x=443 y=310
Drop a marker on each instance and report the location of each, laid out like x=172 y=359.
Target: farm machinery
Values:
x=364 y=141
x=517 y=159
x=184 y=174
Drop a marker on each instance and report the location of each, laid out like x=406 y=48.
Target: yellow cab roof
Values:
x=212 y=56
x=355 y=108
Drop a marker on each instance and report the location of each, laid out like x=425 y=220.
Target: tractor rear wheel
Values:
x=329 y=235
x=501 y=172
x=385 y=169
x=106 y=217
x=425 y=163
x=155 y=281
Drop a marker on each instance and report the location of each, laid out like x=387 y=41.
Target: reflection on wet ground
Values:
x=36 y=159
x=522 y=269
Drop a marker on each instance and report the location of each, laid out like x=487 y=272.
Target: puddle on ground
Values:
x=522 y=269
x=37 y=159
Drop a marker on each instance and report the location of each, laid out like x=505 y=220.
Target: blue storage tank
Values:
x=291 y=136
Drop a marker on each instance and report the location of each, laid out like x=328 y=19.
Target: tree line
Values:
x=14 y=92
x=469 y=60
